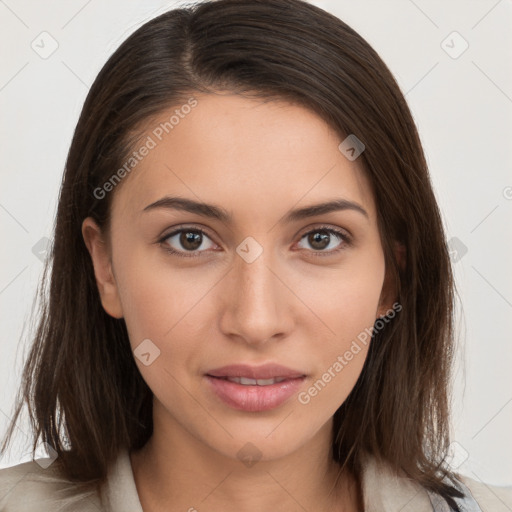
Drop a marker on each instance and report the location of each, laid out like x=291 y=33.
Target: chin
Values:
x=264 y=442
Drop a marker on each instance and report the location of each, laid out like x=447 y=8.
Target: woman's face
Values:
x=264 y=285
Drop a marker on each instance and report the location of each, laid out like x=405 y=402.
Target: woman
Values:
x=250 y=303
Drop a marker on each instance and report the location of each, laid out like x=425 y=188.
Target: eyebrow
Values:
x=218 y=213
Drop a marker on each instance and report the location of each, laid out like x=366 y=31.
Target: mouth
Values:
x=258 y=373
x=254 y=389
x=246 y=381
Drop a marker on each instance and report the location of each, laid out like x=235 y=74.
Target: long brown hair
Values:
x=85 y=395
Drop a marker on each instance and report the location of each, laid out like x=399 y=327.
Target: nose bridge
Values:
x=255 y=281
x=256 y=305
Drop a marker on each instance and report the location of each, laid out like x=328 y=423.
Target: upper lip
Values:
x=266 y=371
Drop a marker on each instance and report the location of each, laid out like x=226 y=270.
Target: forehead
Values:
x=249 y=155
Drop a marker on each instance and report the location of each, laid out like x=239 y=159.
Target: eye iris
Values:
x=321 y=237
x=190 y=237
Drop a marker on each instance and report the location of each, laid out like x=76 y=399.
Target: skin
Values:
x=258 y=160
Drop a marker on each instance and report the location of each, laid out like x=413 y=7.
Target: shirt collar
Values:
x=120 y=491
x=383 y=491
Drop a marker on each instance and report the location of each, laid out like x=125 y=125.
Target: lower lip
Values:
x=254 y=398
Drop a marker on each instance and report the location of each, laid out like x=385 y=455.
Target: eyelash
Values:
x=346 y=241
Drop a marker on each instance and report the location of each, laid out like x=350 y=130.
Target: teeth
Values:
x=255 y=382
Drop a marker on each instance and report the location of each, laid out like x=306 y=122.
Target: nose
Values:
x=256 y=305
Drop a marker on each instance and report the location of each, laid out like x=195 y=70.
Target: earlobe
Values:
x=102 y=263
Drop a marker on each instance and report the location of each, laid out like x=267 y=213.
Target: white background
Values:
x=463 y=109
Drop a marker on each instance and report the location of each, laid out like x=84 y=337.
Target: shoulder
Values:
x=29 y=487
x=490 y=498
x=386 y=490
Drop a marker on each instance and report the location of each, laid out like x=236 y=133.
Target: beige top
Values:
x=27 y=487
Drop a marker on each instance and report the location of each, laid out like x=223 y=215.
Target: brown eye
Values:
x=190 y=240
x=319 y=240
x=325 y=240
x=186 y=240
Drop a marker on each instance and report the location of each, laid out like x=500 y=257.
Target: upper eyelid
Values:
x=302 y=232
x=179 y=229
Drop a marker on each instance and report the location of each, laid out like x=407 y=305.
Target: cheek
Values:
x=152 y=293
x=345 y=297
x=160 y=304
x=338 y=358
x=166 y=305
x=347 y=303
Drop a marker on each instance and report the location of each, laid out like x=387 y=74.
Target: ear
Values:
x=102 y=262
x=389 y=294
